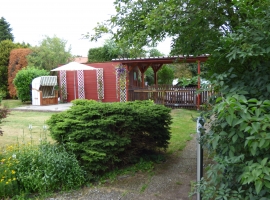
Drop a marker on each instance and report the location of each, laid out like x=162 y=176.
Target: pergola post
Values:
x=155 y=68
x=143 y=70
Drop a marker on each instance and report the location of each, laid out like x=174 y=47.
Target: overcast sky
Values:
x=31 y=20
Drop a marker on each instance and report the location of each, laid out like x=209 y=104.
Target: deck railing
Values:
x=169 y=95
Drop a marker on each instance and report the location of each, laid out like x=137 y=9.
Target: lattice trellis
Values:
x=63 y=85
x=80 y=79
x=100 y=84
x=121 y=90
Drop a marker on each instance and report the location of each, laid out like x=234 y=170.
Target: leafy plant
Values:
x=188 y=81
x=239 y=138
x=24 y=79
x=47 y=167
x=8 y=182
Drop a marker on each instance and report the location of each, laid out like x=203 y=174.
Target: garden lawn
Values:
x=182 y=128
x=12 y=103
x=16 y=127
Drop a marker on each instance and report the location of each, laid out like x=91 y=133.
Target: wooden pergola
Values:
x=157 y=62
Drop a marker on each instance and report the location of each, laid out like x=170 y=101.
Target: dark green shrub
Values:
x=106 y=135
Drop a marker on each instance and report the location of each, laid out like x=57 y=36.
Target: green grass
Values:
x=182 y=128
x=18 y=121
x=16 y=127
x=16 y=124
x=12 y=103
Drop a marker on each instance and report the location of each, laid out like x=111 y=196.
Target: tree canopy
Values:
x=111 y=50
x=5 y=30
x=51 y=52
x=194 y=25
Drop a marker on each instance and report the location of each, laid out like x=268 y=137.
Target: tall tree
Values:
x=5 y=30
x=50 y=53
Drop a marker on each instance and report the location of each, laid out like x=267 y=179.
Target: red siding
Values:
x=90 y=82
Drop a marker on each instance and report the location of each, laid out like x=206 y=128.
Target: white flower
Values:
x=14 y=156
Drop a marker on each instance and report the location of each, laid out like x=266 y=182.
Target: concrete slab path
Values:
x=48 y=108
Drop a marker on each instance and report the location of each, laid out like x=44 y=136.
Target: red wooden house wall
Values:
x=90 y=82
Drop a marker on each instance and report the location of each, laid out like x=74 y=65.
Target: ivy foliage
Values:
x=23 y=82
x=106 y=136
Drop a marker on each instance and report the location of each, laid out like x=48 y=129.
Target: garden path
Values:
x=170 y=181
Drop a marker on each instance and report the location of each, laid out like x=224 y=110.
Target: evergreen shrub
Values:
x=104 y=136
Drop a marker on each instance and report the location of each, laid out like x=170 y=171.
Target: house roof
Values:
x=81 y=60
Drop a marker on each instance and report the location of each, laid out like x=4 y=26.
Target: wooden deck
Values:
x=168 y=95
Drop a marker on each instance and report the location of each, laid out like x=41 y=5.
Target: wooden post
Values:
x=155 y=78
x=143 y=84
x=199 y=86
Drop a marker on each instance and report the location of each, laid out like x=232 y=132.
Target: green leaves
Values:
x=51 y=52
x=47 y=168
x=23 y=79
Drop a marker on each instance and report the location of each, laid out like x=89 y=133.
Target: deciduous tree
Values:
x=111 y=50
x=50 y=53
x=195 y=26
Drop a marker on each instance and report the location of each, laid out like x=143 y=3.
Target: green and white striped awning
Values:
x=48 y=81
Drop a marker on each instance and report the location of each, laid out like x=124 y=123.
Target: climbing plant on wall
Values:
x=121 y=80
